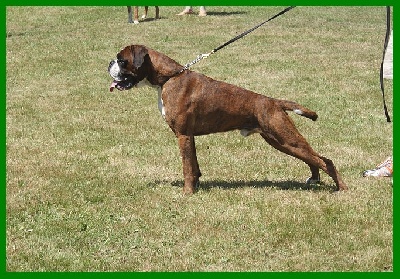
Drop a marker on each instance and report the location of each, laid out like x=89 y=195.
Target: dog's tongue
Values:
x=113 y=85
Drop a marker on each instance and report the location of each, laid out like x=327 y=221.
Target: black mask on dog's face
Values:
x=123 y=79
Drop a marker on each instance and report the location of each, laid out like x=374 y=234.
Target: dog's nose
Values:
x=112 y=62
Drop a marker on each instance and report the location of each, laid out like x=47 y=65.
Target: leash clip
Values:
x=198 y=58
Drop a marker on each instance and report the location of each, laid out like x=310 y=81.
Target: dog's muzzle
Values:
x=115 y=71
x=122 y=80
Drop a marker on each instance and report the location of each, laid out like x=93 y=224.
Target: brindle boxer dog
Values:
x=193 y=104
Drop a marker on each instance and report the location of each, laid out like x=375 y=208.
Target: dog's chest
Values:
x=161 y=107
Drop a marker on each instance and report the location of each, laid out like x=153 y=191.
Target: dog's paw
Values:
x=311 y=180
x=136 y=21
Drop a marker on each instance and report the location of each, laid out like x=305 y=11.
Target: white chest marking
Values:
x=161 y=107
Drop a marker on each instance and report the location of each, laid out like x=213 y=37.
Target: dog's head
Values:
x=127 y=70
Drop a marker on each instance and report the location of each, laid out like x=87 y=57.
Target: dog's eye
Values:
x=122 y=63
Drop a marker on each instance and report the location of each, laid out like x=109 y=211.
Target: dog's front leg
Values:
x=191 y=170
x=130 y=14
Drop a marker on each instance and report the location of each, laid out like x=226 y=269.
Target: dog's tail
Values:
x=298 y=109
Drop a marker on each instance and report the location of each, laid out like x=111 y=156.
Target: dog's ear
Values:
x=138 y=53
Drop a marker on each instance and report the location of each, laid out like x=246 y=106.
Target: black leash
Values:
x=252 y=29
x=383 y=58
x=202 y=56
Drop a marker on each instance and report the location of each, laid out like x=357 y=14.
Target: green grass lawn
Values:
x=94 y=179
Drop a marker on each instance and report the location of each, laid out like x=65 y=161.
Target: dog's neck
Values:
x=163 y=68
x=146 y=82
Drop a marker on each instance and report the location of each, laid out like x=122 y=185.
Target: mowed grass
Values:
x=94 y=179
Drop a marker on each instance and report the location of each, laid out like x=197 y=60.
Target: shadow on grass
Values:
x=150 y=19
x=207 y=185
x=213 y=13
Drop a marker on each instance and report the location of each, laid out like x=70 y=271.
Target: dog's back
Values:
x=207 y=99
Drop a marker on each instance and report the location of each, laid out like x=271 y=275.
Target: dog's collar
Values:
x=179 y=72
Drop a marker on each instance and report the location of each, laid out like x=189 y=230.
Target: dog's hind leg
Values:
x=136 y=14
x=146 y=9
x=304 y=152
x=157 y=12
x=283 y=135
x=191 y=170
